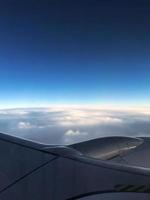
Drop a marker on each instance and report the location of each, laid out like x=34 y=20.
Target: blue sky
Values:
x=74 y=52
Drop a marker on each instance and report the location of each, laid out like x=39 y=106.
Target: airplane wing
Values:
x=107 y=168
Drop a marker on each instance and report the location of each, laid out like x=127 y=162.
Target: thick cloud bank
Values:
x=70 y=125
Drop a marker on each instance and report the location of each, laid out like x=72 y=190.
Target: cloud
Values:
x=72 y=135
x=87 y=117
x=73 y=124
x=24 y=125
x=75 y=133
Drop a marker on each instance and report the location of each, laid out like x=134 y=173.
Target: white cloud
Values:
x=24 y=125
x=72 y=136
x=75 y=133
x=88 y=118
x=73 y=124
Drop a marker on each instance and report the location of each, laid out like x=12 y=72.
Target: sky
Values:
x=62 y=52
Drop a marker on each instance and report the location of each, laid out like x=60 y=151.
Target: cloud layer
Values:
x=70 y=125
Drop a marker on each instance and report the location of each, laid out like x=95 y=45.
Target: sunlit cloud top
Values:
x=67 y=125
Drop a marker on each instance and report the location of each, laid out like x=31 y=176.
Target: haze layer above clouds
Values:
x=70 y=125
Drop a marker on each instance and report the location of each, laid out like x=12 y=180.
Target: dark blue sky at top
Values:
x=74 y=51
